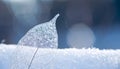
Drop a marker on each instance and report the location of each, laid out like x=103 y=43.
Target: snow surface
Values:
x=43 y=35
x=19 y=57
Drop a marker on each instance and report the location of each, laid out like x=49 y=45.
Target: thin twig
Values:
x=32 y=58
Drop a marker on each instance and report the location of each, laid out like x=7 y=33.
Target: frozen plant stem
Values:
x=32 y=58
x=51 y=21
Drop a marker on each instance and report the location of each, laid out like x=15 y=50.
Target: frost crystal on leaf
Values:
x=43 y=35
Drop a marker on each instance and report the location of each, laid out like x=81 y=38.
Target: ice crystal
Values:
x=43 y=35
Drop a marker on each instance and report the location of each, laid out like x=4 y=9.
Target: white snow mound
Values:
x=19 y=57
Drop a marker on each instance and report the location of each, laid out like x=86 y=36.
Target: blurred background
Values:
x=101 y=16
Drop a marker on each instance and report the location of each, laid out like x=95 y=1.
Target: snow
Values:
x=43 y=35
x=5 y=56
x=19 y=57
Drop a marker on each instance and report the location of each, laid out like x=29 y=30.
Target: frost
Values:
x=43 y=35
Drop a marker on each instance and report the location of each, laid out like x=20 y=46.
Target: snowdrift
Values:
x=23 y=57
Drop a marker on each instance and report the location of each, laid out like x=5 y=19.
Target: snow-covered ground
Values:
x=21 y=57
